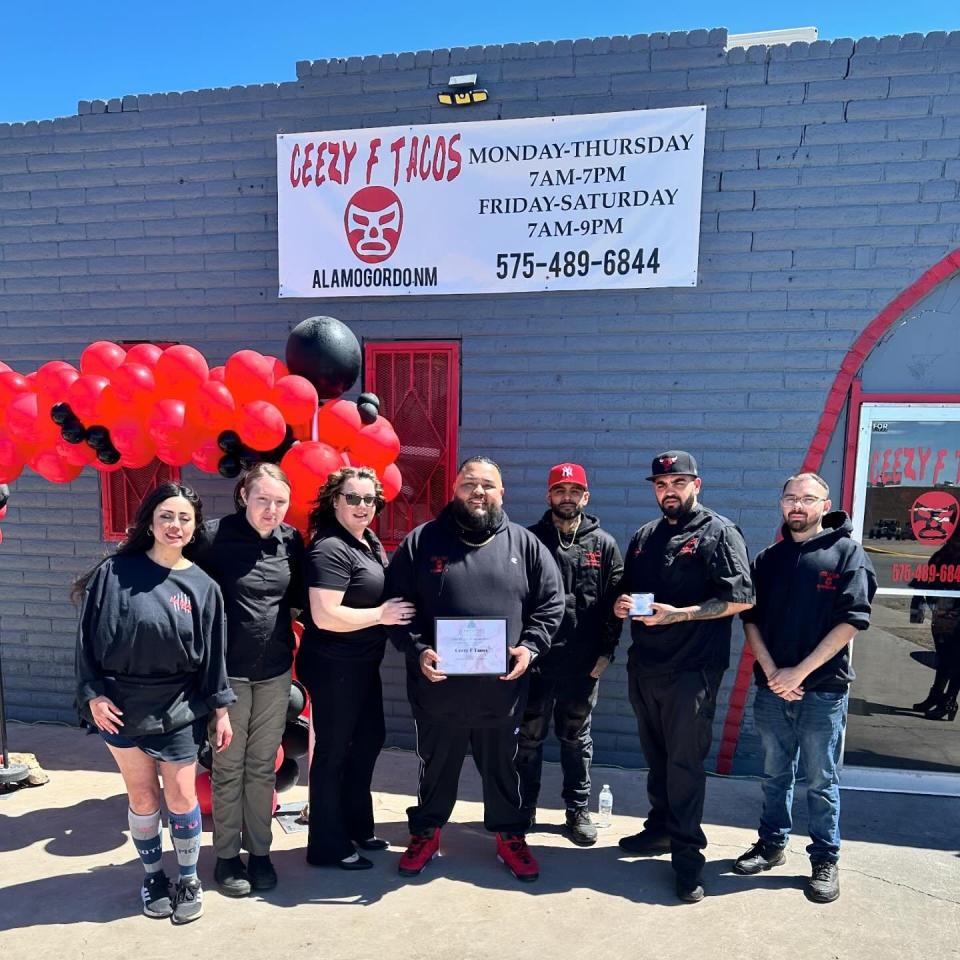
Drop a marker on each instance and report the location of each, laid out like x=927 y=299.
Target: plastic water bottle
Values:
x=605 y=806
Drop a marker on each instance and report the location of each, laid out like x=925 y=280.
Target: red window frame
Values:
x=122 y=490
x=410 y=376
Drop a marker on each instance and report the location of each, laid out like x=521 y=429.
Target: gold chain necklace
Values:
x=573 y=535
x=482 y=543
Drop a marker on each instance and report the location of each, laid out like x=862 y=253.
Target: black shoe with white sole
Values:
x=155 y=893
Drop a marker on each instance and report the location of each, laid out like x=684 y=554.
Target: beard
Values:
x=483 y=522
x=567 y=511
x=796 y=525
x=678 y=508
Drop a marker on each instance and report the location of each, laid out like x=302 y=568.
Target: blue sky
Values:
x=54 y=52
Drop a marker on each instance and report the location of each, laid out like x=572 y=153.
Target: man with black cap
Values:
x=694 y=563
x=564 y=681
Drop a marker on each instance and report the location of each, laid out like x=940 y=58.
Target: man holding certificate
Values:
x=488 y=599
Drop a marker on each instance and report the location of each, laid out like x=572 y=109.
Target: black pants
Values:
x=675 y=719
x=347 y=704
x=570 y=702
x=441 y=748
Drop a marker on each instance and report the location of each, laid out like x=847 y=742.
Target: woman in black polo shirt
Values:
x=339 y=662
x=257 y=560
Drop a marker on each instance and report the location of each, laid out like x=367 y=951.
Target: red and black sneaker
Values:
x=515 y=855
x=421 y=850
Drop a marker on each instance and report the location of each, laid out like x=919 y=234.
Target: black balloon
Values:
x=368 y=412
x=109 y=456
x=369 y=398
x=248 y=458
x=229 y=466
x=72 y=431
x=298 y=700
x=60 y=413
x=229 y=441
x=98 y=437
x=325 y=352
x=287 y=775
x=296 y=739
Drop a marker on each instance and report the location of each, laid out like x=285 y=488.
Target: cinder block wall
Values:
x=830 y=184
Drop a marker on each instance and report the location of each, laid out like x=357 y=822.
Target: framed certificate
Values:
x=471 y=646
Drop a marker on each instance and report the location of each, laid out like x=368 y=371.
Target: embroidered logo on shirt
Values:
x=591 y=558
x=690 y=546
x=438 y=564
x=827 y=580
x=182 y=602
x=514 y=560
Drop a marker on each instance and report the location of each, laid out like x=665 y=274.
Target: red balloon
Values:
x=249 y=375
x=109 y=408
x=167 y=422
x=280 y=369
x=206 y=457
x=176 y=454
x=12 y=453
x=53 y=381
x=78 y=454
x=83 y=395
x=102 y=358
x=308 y=465
x=12 y=384
x=338 y=423
x=10 y=473
x=215 y=406
x=180 y=371
x=134 y=384
x=298 y=515
x=218 y=373
x=107 y=467
x=131 y=439
x=279 y=759
x=261 y=425
x=4 y=368
x=144 y=353
x=392 y=482
x=204 y=792
x=376 y=445
x=296 y=398
x=23 y=414
x=49 y=465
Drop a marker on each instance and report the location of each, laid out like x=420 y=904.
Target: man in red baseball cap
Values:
x=564 y=681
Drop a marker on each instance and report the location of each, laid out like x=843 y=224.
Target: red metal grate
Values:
x=418 y=384
x=122 y=490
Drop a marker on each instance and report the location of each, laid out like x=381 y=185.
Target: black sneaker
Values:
x=155 y=893
x=580 y=828
x=761 y=856
x=690 y=891
x=231 y=877
x=261 y=873
x=824 y=883
x=645 y=843
x=189 y=903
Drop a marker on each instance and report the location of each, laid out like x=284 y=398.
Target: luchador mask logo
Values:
x=373 y=221
x=933 y=516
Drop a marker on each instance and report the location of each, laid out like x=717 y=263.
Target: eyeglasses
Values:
x=789 y=501
x=354 y=499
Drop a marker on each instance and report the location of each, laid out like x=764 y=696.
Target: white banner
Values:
x=593 y=202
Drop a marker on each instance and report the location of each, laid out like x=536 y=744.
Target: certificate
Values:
x=471 y=646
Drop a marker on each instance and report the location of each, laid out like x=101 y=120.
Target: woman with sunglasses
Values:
x=339 y=663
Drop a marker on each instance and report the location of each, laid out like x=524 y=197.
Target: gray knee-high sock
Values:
x=185 y=830
x=145 y=833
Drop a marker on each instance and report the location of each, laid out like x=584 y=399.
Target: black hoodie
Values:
x=512 y=576
x=804 y=590
x=590 y=568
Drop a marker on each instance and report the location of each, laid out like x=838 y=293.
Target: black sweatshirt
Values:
x=512 y=576
x=590 y=568
x=261 y=579
x=804 y=590
x=152 y=640
x=700 y=557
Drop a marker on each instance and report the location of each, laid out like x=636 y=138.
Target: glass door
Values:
x=906 y=512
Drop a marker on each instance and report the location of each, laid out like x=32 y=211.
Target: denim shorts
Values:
x=174 y=746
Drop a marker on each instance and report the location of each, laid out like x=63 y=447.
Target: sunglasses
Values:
x=354 y=499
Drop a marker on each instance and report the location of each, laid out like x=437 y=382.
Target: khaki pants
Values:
x=243 y=775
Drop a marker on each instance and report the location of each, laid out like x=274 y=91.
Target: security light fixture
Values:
x=462 y=91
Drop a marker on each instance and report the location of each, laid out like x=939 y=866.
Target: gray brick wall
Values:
x=830 y=184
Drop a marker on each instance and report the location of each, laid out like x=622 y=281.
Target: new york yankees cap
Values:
x=567 y=473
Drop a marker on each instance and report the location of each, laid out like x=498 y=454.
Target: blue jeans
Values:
x=808 y=731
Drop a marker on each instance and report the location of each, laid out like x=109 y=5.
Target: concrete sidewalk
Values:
x=69 y=881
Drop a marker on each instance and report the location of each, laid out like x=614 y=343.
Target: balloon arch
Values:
x=126 y=406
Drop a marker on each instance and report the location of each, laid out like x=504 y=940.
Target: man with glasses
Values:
x=477 y=572
x=814 y=589
x=694 y=563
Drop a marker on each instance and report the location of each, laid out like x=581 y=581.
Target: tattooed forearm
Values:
x=708 y=610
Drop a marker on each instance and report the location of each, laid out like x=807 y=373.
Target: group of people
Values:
x=186 y=634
